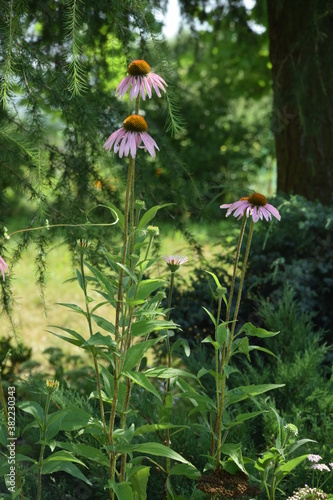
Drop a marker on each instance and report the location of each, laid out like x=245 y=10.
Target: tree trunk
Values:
x=301 y=53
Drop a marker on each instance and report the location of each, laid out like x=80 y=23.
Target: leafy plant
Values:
x=278 y=462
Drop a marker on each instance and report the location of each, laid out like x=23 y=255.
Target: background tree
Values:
x=301 y=52
x=300 y=47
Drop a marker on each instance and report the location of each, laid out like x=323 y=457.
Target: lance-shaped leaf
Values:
x=104 y=323
x=151 y=449
x=99 y=340
x=141 y=379
x=254 y=331
x=150 y=214
x=144 y=326
x=247 y=391
x=146 y=288
x=163 y=372
x=78 y=340
x=135 y=353
x=86 y=451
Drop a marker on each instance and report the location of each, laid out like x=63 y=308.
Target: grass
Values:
x=31 y=317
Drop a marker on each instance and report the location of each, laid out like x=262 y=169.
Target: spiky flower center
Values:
x=135 y=123
x=138 y=68
x=257 y=200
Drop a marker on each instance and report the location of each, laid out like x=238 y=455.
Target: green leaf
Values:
x=103 y=323
x=210 y=315
x=228 y=370
x=148 y=428
x=108 y=381
x=101 y=340
x=128 y=272
x=163 y=372
x=139 y=479
x=147 y=287
x=73 y=307
x=3 y=435
x=63 y=456
x=285 y=468
x=234 y=451
x=33 y=409
x=185 y=470
x=74 y=419
x=86 y=451
x=152 y=449
x=135 y=353
x=80 y=279
x=150 y=214
x=184 y=344
x=80 y=340
x=51 y=465
x=120 y=216
x=243 y=392
x=53 y=423
x=102 y=280
x=253 y=331
x=202 y=401
x=209 y=340
x=299 y=443
x=122 y=490
x=242 y=347
x=141 y=379
x=242 y=417
x=143 y=327
x=203 y=371
x=263 y=349
x=222 y=333
x=218 y=284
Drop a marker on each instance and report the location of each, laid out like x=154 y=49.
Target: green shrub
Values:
x=299 y=250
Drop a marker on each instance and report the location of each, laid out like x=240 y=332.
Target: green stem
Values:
x=239 y=296
x=239 y=245
x=125 y=242
x=41 y=455
x=227 y=357
x=217 y=384
x=231 y=293
x=111 y=424
x=93 y=351
x=117 y=363
x=167 y=433
x=172 y=280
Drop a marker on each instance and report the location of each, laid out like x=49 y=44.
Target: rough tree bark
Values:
x=301 y=53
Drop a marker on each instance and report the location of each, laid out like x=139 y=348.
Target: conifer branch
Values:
x=76 y=74
x=7 y=78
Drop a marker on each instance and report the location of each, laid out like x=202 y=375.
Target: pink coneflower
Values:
x=142 y=79
x=128 y=138
x=254 y=205
x=3 y=267
x=174 y=262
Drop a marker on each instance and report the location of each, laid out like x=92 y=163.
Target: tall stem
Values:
x=227 y=357
x=119 y=306
x=125 y=243
x=239 y=246
x=41 y=455
x=167 y=433
x=231 y=293
x=217 y=383
x=93 y=352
